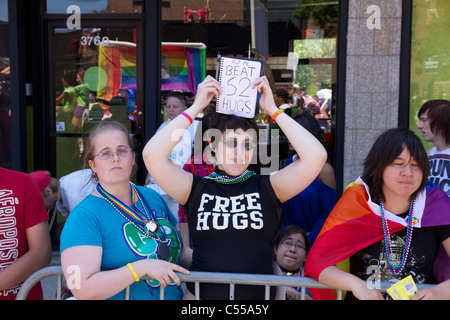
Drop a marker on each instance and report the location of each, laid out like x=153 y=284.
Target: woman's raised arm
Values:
x=291 y=180
x=170 y=177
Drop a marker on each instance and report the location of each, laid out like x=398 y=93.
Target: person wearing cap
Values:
x=48 y=186
x=23 y=233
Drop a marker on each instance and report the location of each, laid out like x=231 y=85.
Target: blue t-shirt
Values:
x=95 y=222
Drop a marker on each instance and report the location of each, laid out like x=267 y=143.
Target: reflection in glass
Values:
x=95 y=6
x=5 y=81
x=430 y=56
x=95 y=80
x=314 y=80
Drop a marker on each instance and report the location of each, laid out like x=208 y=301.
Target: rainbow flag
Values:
x=119 y=64
x=182 y=68
x=354 y=224
x=109 y=61
x=127 y=65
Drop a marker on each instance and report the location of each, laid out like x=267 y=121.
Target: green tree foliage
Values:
x=323 y=12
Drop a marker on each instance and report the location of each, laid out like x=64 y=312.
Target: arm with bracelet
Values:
x=157 y=150
x=292 y=179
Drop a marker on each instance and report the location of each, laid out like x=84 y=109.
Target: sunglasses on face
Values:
x=246 y=145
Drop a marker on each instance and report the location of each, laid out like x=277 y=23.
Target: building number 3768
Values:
x=94 y=40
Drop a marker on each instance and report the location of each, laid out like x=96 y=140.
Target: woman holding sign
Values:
x=232 y=213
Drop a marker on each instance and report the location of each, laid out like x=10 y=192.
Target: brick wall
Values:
x=225 y=9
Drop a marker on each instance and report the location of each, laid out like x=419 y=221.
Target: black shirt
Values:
x=371 y=264
x=232 y=229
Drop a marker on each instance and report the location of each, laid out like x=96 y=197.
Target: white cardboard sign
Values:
x=236 y=77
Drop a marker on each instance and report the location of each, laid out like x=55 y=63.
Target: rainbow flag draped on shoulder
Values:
x=182 y=68
x=355 y=223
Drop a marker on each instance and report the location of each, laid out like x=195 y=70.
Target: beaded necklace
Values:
x=147 y=219
x=223 y=179
x=397 y=269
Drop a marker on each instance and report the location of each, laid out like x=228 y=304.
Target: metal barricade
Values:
x=207 y=277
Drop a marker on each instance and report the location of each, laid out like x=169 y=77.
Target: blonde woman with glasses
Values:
x=120 y=232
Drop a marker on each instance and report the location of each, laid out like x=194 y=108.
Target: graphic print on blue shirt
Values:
x=144 y=246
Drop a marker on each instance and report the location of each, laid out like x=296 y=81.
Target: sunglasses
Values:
x=246 y=145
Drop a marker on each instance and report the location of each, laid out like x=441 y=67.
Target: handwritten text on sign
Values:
x=236 y=78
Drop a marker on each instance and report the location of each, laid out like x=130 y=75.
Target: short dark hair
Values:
x=287 y=231
x=310 y=123
x=178 y=95
x=282 y=93
x=439 y=117
x=223 y=122
x=387 y=147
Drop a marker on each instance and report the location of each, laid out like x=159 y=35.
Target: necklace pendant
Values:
x=152 y=226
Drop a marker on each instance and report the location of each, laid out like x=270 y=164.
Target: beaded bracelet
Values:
x=276 y=114
x=136 y=278
x=187 y=116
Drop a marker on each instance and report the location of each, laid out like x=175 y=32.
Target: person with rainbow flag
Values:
x=388 y=225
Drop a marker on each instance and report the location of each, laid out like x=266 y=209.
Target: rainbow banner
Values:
x=182 y=68
x=119 y=65
x=109 y=61
x=127 y=65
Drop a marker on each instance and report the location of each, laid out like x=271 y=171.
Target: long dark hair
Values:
x=387 y=147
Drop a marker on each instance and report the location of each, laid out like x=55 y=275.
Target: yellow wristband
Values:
x=136 y=278
x=276 y=114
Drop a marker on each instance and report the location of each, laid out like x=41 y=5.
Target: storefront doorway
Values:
x=94 y=74
x=430 y=56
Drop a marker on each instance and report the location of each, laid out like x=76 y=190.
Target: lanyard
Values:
x=149 y=220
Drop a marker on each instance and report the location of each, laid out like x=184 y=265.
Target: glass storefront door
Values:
x=430 y=56
x=94 y=77
x=5 y=80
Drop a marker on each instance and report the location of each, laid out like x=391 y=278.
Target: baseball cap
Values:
x=41 y=178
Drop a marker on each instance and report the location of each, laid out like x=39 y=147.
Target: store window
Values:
x=95 y=7
x=315 y=77
x=430 y=56
x=95 y=79
x=5 y=104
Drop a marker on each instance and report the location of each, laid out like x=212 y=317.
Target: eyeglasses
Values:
x=107 y=154
x=247 y=145
x=288 y=244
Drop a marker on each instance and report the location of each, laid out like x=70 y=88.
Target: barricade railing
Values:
x=232 y=279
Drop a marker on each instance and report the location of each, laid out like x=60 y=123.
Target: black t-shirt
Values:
x=232 y=229
x=371 y=263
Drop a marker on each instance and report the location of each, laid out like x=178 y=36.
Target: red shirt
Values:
x=21 y=207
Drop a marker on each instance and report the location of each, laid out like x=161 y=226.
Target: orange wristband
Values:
x=275 y=115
